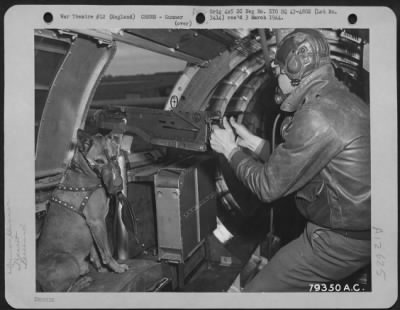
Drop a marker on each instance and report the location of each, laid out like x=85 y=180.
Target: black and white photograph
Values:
x=231 y=157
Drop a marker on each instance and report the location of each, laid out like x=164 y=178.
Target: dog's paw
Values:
x=123 y=268
x=119 y=268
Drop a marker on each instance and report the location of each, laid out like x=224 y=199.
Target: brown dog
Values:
x=75 y=229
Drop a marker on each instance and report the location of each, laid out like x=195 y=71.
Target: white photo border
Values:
x=19 y=156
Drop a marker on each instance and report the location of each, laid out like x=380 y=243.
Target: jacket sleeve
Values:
x=310 y=143
x=263 y=150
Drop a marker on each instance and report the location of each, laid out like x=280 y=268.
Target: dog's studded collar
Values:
x=78 y=189
x=84 y=202
x=69 y=206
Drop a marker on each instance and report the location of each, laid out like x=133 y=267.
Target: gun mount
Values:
x=181 y=129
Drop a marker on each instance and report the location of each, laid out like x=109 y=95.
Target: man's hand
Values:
x=223 y=140
x=245 y=137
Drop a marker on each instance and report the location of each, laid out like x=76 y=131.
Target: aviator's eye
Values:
x=100 y=161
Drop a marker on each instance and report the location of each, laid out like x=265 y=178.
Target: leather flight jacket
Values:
x=325 y=157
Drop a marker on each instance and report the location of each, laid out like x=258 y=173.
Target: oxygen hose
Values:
x=121 y=198
x=274 y=131
x=273 y=241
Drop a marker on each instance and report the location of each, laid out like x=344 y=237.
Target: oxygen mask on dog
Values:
x=111 y=177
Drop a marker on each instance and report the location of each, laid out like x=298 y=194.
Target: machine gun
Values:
x=179 y=129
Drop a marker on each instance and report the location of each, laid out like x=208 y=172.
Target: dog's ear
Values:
x=84 y=141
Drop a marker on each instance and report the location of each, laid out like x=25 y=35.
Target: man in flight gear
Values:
x=324 y=159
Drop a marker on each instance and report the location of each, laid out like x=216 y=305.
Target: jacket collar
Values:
x=307 y=87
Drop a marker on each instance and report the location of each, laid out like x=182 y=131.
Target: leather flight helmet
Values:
x=301 y=52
